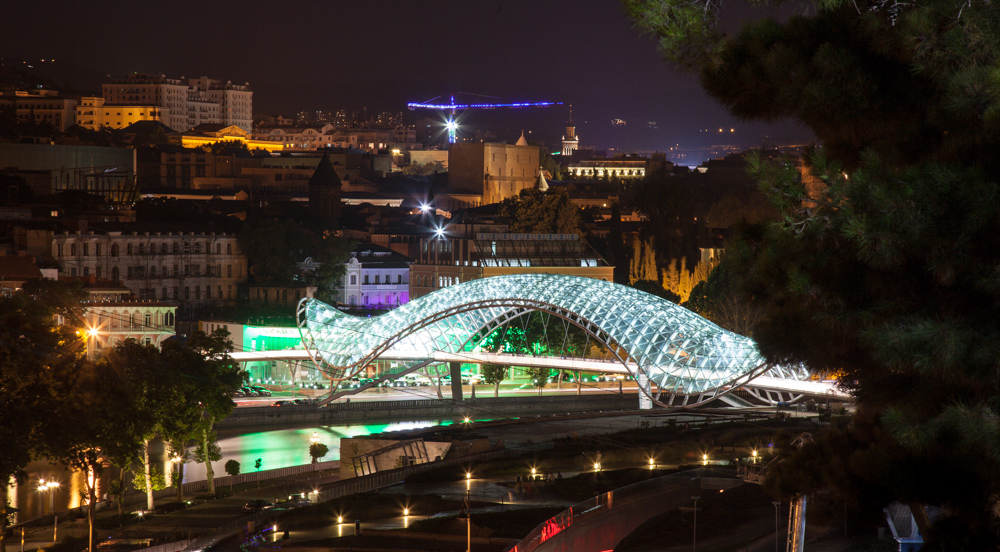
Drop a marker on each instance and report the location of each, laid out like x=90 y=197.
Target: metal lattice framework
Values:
x=678 y=350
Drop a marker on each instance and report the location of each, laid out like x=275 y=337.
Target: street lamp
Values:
x=694 y=541
x=48 y=487
x=315 y=438
x=704 y=459
x=754 y=456
x=652 y=463
x=776 y=503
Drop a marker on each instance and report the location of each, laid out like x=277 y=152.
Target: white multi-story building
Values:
x=114 y=314
x=191 y=269
x=187 y=103
x=376 y=278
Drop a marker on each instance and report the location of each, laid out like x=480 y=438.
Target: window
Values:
x=97 y=249
x=229 y=249
x=152 y=272
x=218 y=248
x=187 y=292
x=163 y=248
x=128 y=249
x=72 y=249
x=366 y=279
x=128 y=273
x=354 y=279
x=114 y=274
x=177 y=248
x=148 y=319
x=229 y=271
x=163 y=294
x=229 y=292
x=142 y=249
x=376 y=278
x=399 y=278
x=175 y=271
x=197 y=293
x=86 y=250
x=208 y=292
x=98 y=271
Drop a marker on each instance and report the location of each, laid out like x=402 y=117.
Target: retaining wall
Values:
x=426 y=408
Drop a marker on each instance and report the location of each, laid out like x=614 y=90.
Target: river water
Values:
x=277 y=448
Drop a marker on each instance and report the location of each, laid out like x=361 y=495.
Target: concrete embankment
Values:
x=480 y=408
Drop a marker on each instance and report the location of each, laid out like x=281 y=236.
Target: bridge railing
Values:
x=622 y=497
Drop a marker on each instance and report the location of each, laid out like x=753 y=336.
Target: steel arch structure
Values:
x=656 y=340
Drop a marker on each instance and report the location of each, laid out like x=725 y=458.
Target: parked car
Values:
x=257 y=505
x=239 y=393
x=260 y=391
x=279 y=403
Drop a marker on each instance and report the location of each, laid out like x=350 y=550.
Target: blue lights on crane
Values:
x=451 y=124
x=414 y=105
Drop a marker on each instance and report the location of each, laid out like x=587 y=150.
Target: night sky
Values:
x=308 y=55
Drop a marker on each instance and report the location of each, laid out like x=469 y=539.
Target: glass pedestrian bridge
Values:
x=654 y=340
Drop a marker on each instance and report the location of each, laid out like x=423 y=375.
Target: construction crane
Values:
x=452 y=108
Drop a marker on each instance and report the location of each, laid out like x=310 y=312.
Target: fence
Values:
x=614 y=501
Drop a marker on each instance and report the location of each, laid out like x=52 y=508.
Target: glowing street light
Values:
x=406 y=512
x=652 y=463
x=315 y=438
x=340 y=519
x=704 y=459
x=754 y=457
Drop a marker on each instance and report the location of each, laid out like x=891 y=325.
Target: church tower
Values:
x=324 y=192
x=570 y=141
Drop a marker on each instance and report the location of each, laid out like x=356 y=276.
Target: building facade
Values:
x=496 y=170
x=445 y=261
x=618 y=167
x=186 y=103
x=92 y=114
x=190 y=269
x=114 y=314
x=376 y=278
x=43 y=106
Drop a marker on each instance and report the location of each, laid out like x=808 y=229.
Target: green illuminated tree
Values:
x=493 y=374
x=317 y=451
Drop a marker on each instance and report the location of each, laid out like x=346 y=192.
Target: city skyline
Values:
x=582 y=53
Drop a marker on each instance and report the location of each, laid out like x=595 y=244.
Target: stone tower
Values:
x=570 y=141
x=324 y=192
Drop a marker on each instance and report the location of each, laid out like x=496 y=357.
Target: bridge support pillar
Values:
x=455 y=369
x=645 y=402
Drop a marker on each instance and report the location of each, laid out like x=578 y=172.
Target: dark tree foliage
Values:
x=272 y=248
x=653 y=287
x=40 y=364
x=884 y=265
x=542 y=212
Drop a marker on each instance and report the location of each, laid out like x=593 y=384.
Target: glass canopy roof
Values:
x=675 y=348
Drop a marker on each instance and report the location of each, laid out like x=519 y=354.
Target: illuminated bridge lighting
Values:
x=656 y=340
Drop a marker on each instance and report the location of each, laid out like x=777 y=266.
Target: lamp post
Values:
x=694 y=540
x=776 y=503
x=91 y=342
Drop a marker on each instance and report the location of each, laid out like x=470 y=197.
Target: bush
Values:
x=69 y=544
x=115 y=521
